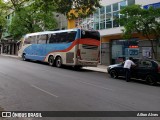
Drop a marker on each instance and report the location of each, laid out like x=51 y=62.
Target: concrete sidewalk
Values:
x=99 y=68
x=14 y=56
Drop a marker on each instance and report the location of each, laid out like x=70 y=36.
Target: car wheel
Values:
x=51 y=60
x=113 y=74
x=150 y=80
x=59 y=62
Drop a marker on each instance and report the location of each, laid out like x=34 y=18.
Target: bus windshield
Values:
x=90 y=34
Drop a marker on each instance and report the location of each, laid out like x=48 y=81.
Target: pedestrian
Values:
x=127 y=66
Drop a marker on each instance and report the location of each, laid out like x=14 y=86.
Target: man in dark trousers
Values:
x=127 y=66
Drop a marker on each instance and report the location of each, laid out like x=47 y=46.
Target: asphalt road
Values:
x=31 y=86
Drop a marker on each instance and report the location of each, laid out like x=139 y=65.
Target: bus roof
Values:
x=49 y=32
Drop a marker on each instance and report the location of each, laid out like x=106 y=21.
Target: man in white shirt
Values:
x=127 y=66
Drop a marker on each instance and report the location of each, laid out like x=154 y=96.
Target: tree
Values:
x=3 y=21
x=37 y=15
x=30 y=19
x=143 y=21
x=82 y=7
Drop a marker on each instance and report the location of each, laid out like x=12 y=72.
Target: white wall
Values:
x=108 y=2
x=145 y=2
x=111 y=31
x=141 y=2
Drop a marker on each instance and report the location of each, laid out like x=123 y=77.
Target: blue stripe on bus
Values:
x=40 y=51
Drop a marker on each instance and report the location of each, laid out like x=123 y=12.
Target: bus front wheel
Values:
x=59 y=62
x=24 y=57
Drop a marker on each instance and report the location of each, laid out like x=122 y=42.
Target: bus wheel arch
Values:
x=51 y=60
x=58 y=61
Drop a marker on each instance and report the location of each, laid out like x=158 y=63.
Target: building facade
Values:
x=114 y=48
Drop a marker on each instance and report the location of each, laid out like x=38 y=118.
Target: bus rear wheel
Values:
x=51 y=61
x=59 y=62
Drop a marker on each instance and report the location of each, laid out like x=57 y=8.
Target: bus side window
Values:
x=62 y=37
x=52 y=39
x=33 y=39
x=42 y=39
x=71 y=36
x=30 y=40
x=27 y=41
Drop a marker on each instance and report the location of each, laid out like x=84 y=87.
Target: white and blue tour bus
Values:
x=72 y=47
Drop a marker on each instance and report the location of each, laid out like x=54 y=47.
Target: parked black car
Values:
x=145 y=69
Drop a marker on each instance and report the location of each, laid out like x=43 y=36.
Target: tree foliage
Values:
x=30 y=19
x=3 y=11
x=37 y=15
x=143 y=21
x=82 y=7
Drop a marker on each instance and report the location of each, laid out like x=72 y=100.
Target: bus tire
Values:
x=51 y=60
x=58 y=62
x=24 y=57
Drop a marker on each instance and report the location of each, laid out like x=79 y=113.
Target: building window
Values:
x=131 y=2
x=123 y=4
x=96 y=20
x=107 y=16
x=108 y=9
x=102 y=10
x=108 y=24
x=115 y=18
x=115 y=7
x=102 y=17
x=108 y=20
x=102 y=25
x=96 y=26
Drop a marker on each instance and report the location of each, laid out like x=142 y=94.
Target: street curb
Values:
x=6 y=55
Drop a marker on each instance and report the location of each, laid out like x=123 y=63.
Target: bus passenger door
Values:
x=41 y=50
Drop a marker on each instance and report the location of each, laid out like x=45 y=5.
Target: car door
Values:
x=144 y=68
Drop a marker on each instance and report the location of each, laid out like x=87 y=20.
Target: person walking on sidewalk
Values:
x=127 y=66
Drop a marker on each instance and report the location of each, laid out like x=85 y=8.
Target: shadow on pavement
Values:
x=63 y=67
x=139 y=81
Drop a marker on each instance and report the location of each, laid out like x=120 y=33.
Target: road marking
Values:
x=95 y=85
x=44 y=91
